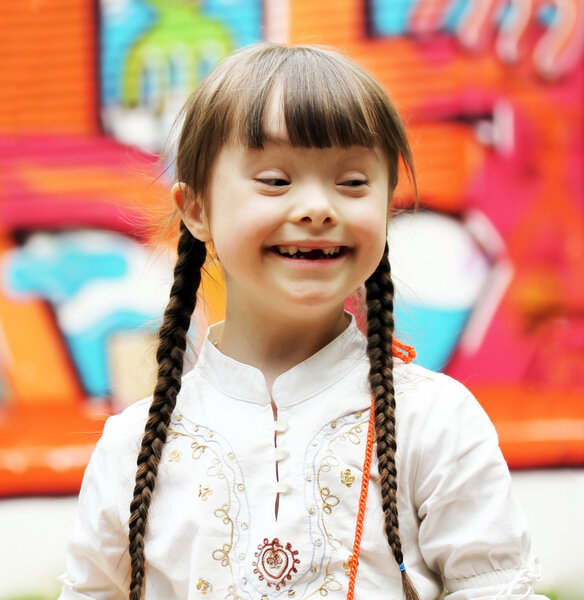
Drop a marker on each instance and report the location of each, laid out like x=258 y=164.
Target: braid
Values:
x=170 y=357
x=380 y=327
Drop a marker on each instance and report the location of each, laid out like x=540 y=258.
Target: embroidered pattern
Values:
x=347 y=565
x=222 y=554
x=226 y=498
x=204 y=586
x=232 y=593
x=275 y=563
x=330 y=584
x=347 y=478
x=174 y=456
x=204 y=492
x=329 y=501
x=326 y=496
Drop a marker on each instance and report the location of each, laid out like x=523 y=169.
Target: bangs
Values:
x=323 y=99
x=323 y=103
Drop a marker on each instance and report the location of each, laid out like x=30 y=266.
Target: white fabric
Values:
x=212 y=529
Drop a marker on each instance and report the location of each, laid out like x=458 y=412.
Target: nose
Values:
x=315 y=207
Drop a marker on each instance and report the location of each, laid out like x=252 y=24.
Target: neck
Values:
x=275 y=343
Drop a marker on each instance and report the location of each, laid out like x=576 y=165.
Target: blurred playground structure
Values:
x=489 y=270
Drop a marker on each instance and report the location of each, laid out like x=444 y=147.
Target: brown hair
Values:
x=327 y=100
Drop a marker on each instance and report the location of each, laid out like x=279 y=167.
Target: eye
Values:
x=273 y=182
x=354 y=183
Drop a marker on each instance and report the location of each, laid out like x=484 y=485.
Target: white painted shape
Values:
x=435 y=261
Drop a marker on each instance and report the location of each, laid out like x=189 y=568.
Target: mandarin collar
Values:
x=303 y=381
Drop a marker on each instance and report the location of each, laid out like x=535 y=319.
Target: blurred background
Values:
x=489 y=269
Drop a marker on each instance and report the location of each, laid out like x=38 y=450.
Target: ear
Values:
x=192 y=211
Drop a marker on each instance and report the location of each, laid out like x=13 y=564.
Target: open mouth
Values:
x=297 y=252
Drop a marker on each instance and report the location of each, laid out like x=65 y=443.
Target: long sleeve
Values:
x=472 y=531
x=97 y=560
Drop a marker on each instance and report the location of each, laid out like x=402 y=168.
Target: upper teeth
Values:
x=294 y=249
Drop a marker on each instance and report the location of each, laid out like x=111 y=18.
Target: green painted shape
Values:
x=180 y=31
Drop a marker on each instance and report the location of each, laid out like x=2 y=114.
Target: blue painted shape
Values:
x=547 y=14
x=390 y=17
x=454 y=14
x=243 y=18
x=60 y=274
x=506 y=16
x=434 y=332
x=120 y=28
x=90 y=352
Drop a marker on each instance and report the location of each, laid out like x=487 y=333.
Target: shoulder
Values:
x=124 y=431
x=421 y=392
x=439 y=420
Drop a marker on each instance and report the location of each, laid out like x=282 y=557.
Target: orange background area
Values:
x=47 y=61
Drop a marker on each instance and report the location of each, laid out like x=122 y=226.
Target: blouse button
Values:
x=281 y=426
x=283 y=488
x=281 y=454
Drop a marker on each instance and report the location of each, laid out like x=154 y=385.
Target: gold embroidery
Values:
x=216 y=470
x=352 y=435
x=204 y=586
x=222 y=554
x=232 y=592
x=333 y=424
x=198 y=450
x=174 y=456
x=347 y=478
x=329 y=501
x=204 y=492
x=330 y=584
x=347 y=565
x=179 y=417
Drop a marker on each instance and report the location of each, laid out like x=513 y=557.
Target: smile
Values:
x=299 y=252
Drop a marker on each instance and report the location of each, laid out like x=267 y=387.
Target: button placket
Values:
x=281 y=454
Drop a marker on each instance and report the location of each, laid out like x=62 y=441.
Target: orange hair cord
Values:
x=402 y=351
x=354 y=558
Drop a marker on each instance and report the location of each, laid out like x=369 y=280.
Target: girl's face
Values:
x=296 y=230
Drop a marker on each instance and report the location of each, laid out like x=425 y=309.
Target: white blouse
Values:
x=213 y=531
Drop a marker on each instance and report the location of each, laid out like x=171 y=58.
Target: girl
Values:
x=263 y=473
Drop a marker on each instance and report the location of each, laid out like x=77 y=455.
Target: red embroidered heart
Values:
x=275 y=563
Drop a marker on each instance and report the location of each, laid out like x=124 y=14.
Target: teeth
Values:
x=292 y=250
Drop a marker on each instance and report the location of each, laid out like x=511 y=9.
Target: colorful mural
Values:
x=489 y=267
